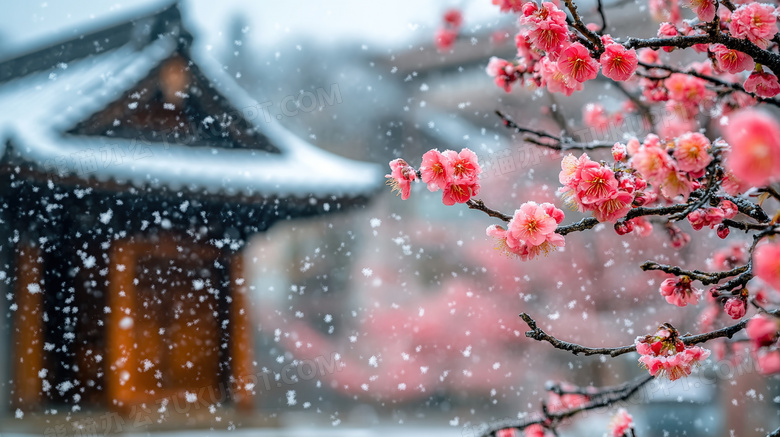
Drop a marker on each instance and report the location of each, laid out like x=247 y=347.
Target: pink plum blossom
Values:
x=555 y=80
x=460 y=191
x=762 y=84
x=667 y=30
x=532 y=224
x=594 y=115
x=762 y=330
x=464 y=165
x=401 y=177
x=453 y=17
x=509 y=5
x=691 y=152
x=766 y=264
x=664 y=354
x=735 y=307
x=769 y=362
x=704 y=9
x=597 y=184
x=754 y=21
x=435 y=169
x=653 y=163
x=619 y=152
x=731 y=61
x=534 y=430
x=621 y=423
x=614 y=208
x=546 y=25
x=679 y=291
x=576 y=63
x=618 y=63
x=503 y=72
x=445 y=38
x=754 y=137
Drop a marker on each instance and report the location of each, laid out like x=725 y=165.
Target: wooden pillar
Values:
x=28 y=328
x=241 y=339
x=120 y=339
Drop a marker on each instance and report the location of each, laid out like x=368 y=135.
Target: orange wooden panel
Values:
x=163 y=332
x=28 y=328
x=120 y=342
x=241 y=341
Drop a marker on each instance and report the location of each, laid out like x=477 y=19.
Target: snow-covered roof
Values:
x=37 y=109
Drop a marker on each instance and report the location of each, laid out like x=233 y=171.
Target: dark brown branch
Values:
x=604 y=397
x=729 y=5
x=761 y=56
x=559 y=144
x=538 y=334
x=583 y=29
x=590 y=222
x=749 y=208
x=745 y=226
x=480 y=205
x=705 y=278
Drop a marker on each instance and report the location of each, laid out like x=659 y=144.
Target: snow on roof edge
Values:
x=304 y=170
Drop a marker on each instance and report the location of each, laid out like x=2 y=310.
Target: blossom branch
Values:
x=480 y=205
x=590 y=222
x=583 y=29
x=705 y=278
x=749 y=208
x=710 y=79
x=538 y=334
x=601 y=398
x=764 y=57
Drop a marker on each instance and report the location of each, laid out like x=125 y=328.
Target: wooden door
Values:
x=165 y=322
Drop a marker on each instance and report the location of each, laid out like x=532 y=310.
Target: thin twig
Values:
x=583 y=29
x=560 y=143
x=538 y=334
x=712 y=80
x=603 y=18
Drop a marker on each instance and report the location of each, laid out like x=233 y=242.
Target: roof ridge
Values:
x=139 y=31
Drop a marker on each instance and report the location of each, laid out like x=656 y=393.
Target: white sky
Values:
x=30 y=24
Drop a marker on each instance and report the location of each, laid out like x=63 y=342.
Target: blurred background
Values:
x=361 y=314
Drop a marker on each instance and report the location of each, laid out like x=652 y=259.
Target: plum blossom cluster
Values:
x=455 y=174
x=554 y=55
x=674 y=167
x=448 y=32
x=530 y=232
x=714 y=216
x=595 y=187
x=549 y=55
x=665 y=355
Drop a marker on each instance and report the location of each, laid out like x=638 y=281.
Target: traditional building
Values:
x=133 y=170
